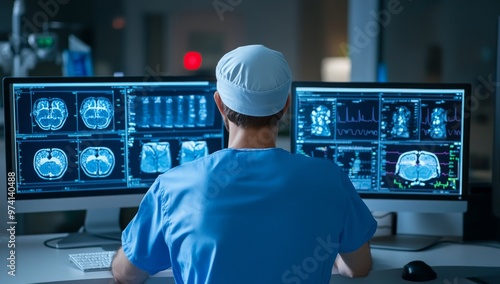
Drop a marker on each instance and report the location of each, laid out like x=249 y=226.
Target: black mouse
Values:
x=418 y=271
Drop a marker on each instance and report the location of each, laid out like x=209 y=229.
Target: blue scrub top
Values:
x=248 y=216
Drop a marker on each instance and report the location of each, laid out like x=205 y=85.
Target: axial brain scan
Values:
x=50 y=114
x=96 y=113
x=418 y=166
x=192 y=150
x=155 y=157
x=97 y=162
x=50 y=163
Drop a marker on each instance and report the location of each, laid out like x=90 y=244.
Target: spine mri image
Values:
x=171 y=111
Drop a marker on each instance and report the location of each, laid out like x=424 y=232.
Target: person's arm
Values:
x=355 y=264
x=125 y=271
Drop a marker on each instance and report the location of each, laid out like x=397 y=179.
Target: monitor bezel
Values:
x=495 y=182
x=388 y=85
x=130 y=196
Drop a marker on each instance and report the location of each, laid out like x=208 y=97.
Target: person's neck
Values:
x=251 y=137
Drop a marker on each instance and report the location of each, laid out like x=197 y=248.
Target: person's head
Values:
x=253 y=83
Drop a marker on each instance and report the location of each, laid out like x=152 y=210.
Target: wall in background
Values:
x=448 y=41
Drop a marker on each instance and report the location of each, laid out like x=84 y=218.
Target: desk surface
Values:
x=36 y=263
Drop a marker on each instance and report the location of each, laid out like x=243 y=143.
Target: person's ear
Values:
x=287 y=104
x=219 y=103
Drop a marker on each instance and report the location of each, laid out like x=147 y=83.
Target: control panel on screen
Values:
x=387 y=139
x=88 y=136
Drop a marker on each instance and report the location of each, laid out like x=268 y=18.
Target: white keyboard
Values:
x=93 y=261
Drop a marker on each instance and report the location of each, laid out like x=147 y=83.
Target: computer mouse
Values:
x=418 y=271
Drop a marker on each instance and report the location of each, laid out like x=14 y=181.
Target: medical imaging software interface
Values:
x=386 y=140
x=94 y=136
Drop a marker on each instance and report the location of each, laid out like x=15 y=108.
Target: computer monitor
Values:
x=496 y=142
x=404 y=146
x=98 y=143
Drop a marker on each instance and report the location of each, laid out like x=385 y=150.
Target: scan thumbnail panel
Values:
x=420 y=167
x=151 y=157
x=75 y=163
x=44 y=112
x=100 y=111
x=315 y=119
x=162 y=110
x=104 y=160
x=359 y=161
x=341 y=119
x=60 y=112
x=400 y=120
x=441 y=120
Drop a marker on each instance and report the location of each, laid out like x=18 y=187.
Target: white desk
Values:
x=36 y=263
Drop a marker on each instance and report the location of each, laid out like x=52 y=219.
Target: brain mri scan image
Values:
x=192 y=150
x=97 y=162
x=156 y=157
x=50 y=114
x=96 y=113
x=50 y=163
x=418 y=166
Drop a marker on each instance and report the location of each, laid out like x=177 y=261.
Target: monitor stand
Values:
x=404 y=242
x=101 y=228
x=414 y=231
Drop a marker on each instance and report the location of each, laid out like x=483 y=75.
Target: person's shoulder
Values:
x=313 y=160
x=197 y=164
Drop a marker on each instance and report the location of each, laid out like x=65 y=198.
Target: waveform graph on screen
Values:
x=440 y=120
x=357 y=119
x=418 y=167
x=399 y=119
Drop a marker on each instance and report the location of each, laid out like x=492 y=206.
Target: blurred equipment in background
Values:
x=24 y=51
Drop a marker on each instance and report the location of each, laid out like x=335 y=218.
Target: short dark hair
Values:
x=247 y=121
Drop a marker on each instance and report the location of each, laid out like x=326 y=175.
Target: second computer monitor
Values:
x=396 y=142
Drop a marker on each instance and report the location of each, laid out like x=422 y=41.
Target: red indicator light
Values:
x=192 y=60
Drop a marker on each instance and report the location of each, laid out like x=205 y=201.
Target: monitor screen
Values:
x=496 y=142
x=396 y=142
x=100 y=142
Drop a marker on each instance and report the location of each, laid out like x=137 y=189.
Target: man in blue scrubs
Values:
x=252 y=213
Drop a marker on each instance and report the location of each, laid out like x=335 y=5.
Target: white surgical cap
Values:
x=253 y=80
